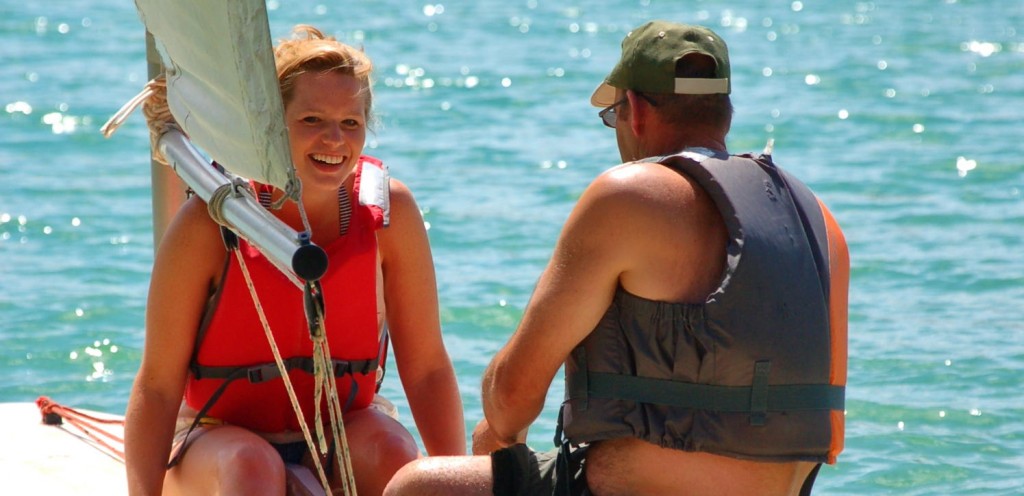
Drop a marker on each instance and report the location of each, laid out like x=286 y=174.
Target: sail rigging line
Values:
x=126 y=110
x=323 y=370
x=285 y=378
x=91 y=426
x=153 y=99
x=324 y=378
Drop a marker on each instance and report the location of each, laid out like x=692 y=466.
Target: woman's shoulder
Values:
x=401 y=199
x=192 y=231
x=407 y=228
x=399 y=189
x=194 y=216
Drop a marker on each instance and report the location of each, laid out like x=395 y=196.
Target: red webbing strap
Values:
x=55 y=414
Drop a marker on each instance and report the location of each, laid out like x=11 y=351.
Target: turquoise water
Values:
x=905 y=117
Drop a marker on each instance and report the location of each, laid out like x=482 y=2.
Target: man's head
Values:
x=681 y=71
x=651 y=54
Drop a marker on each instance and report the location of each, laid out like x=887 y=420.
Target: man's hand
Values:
x=485 y=440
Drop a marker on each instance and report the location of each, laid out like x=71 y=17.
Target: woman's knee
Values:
x=229 y=460
x=397 y=444
x=381 y=454
x=384 y=439
x=383 y=447
x=248 y=458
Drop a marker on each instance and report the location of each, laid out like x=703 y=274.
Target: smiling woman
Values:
x=242 y=434
x=327 y=128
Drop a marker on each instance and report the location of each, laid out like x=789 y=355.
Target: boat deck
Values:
x=56 y=459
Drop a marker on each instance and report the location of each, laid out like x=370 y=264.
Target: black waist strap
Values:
x=267 y=371
x=716 y=398
x=261 y=373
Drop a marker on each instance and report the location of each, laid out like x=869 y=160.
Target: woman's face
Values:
x=326 y=121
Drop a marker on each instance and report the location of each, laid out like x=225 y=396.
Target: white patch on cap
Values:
x=695 y=86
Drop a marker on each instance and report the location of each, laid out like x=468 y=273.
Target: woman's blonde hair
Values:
x=309 y=50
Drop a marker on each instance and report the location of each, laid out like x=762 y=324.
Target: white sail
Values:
x=222 y=84
x=223 y=92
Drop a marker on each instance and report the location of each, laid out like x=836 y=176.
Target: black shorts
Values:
x=521 y=471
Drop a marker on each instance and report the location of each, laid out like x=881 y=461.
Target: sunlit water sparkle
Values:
x=904 y=117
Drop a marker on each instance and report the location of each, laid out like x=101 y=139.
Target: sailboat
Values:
x=217 y=58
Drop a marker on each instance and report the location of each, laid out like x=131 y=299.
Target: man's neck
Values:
x=674 y=139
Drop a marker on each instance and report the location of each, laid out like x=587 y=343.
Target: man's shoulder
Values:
x=646 y=178
x=640 y=174
x=642 y=191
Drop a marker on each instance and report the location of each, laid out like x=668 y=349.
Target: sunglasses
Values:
x=610 y=118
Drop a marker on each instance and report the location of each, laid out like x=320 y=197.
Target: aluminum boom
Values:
x=290 y=250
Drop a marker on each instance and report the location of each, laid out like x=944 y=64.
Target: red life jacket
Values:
x=232 y=352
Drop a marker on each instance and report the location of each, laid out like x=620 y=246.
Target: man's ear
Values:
x=637 y=113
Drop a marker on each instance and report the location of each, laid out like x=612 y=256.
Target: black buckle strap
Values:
x=229 y=237
x=570 y=463
x=759 y=393
x=313 y=303
x=263 y=373
x=268 y=371
x=200 y=415
x=577 y=383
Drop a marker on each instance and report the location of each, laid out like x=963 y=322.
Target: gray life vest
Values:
x=746 y=374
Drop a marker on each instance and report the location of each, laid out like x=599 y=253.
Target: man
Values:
x=698 y=301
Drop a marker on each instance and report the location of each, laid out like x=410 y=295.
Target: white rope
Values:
x=126 y=110
x=153 y=99
x=324 y=376
x=284 y=372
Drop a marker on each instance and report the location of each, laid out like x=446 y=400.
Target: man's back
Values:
x=676 y=241
x=673 y=234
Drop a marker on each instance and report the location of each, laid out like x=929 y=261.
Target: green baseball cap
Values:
x=648 y=63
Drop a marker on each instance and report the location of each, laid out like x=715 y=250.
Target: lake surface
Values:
x=904 y=116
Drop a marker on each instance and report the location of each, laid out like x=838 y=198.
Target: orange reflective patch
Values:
x=839 y=275
x=838 y=419
x=839 y=286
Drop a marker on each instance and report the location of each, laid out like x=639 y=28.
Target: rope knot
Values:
x=153 y=99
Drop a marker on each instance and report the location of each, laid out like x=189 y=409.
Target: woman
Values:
x=201 y=318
